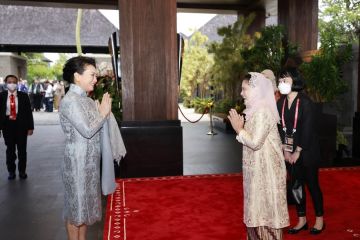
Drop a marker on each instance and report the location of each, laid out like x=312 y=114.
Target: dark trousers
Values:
x=31 y=97
x=15 y=139
x=49 y=104
x=37 y=101
x=309 y=176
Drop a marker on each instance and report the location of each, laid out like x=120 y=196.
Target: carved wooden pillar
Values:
x=148 y=54
x=300 y=19
x=148 y=59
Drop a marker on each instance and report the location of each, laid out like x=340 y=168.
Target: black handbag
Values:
x=296 y=187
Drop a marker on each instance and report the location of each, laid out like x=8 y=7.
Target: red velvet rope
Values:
x=205 y=111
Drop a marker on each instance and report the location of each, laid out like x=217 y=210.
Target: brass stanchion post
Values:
x=211 y=132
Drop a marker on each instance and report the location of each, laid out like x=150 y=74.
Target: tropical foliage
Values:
x=200 y=104
x=37 y=68
x=343 y=16
x=270 y=51
x=228 y=67
x=196 y=65
x=239 y=52
x=323 y=74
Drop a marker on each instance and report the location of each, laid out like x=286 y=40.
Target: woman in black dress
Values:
x=301 y=146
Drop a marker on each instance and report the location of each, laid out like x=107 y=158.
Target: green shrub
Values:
x=323 y=74
x=187 y=102
x=224 y=106
x=340 y=139
x=200 y=104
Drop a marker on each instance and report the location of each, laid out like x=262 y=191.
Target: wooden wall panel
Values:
x=300 y=19
x=148 y=59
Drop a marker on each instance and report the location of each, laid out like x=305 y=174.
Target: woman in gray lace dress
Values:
x=81 y=120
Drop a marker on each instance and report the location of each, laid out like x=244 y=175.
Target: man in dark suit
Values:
x=16 y=123
x=36 y=91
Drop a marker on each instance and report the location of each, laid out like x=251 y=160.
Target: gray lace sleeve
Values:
x=83 y=117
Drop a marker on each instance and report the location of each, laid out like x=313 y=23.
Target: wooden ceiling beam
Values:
x=55 y=49
x=113 y=4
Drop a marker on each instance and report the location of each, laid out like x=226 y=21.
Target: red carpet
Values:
x=210 y=207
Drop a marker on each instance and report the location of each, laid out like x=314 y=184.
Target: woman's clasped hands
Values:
x=105 y=105
x=237 y=121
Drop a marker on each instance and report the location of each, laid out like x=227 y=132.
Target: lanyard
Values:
x=296 y=116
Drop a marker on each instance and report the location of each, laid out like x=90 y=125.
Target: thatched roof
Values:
x=210 y=28
x=51 y=29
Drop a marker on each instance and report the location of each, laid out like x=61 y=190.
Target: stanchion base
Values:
x=211 y=133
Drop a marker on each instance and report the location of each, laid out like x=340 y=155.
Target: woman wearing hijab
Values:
x=264 y=171
x=301 y=146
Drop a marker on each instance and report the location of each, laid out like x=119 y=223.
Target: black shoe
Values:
x=23 y=176
x=11 y=176
x=295 y=231
x=315 y=231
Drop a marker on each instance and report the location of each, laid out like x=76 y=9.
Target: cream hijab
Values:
x=261 y=96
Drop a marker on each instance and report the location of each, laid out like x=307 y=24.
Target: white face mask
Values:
x=284 y=88
x=11 y=86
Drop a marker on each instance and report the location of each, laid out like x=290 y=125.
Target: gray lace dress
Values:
x=81 y=123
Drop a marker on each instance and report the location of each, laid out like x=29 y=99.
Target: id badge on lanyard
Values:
x=289 y=138
x=289 y=143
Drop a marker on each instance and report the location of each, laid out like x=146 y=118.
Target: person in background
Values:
x=22 y=86
x=300 y=145
x=49 y=97
x=81 y=120
x=62 y=84
x=2 y=85
x=270 y=75
x=16 y=123
x=36 y=90
x=264 y=171
x=43 y=104
x=59 y=93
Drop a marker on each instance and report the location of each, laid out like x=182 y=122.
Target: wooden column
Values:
x=300 y=19
x=149 y=70
x=148 y=59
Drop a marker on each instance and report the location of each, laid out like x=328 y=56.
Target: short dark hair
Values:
x=11 y=76
x=294 y=74
x=247 y=76
x=76 y=65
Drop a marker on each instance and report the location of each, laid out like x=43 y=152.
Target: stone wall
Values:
x=12 y=64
